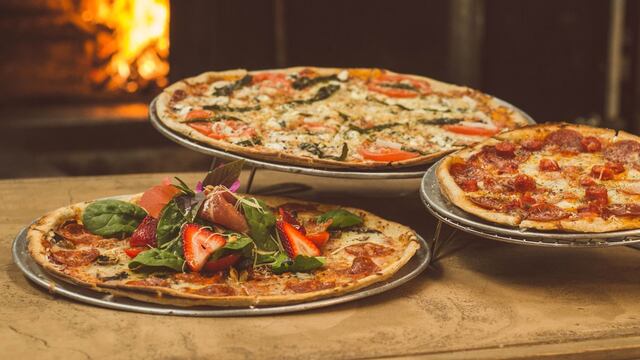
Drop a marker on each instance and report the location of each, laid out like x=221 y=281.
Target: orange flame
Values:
x=136 y=47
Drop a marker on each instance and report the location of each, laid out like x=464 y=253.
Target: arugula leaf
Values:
x=224 y=175
x=341 y=218
x=157 y=258
x=112 y=217
x=260 y=221
x=301 y=263
x=183 y=187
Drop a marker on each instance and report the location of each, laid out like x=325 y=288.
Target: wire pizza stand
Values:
x=459 y=220
x=57 y=286
x=255 y=164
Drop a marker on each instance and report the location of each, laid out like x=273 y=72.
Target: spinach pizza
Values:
x=332 y=118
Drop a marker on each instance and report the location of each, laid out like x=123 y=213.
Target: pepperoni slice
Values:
x=524 y=183
x=75 y=257
x=532 y=144
x=546 y=212
x=591 y=144
x=597 y=194
x=548 y=165
x=215 y=290
x=624 y=151
x=368 y=249
x=77 y=233
x=601 y=172
x=489 y=155
x=363 y=265
x=489 y=203
x=587 y=181
x=622 y=210
x=309 y=285
x=590 y=210
x=617 y=168
x=506 y=149
x=464 y=175
x=565 y=140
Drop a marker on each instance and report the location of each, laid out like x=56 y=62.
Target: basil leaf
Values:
x=170 y=222
x=260 y=221
x=224 y=175
x=112 y=217
x=341 y=218
x=301 y=263
x=157 y=258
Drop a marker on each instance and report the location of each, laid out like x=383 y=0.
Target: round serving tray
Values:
x=450 y=214
x=35 y=273
x=401 y=173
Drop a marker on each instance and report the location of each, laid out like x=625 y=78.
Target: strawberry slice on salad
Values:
x=145 y=233
x=294 y=242
x=198 y=244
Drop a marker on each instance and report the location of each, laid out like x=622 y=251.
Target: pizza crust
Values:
x=458 y=197
x=162 y=109
x=39 y=232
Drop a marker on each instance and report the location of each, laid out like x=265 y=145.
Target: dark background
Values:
x=566 y=60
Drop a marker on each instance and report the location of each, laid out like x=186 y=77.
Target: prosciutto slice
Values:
x=219 y=208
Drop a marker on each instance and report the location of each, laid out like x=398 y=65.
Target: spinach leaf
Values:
x=304 y=82
x=157 y=258
x=260 y=221
x=240 y=243
x=439 y=121
x=216 y=107
x=170 y=222
x=213 y=119
x=224 y=175
x=315 y=149
x=228 y=89
x=112 y=217
x=301 y=263
x=373 y=128
x=341 y=218
x=323 y=93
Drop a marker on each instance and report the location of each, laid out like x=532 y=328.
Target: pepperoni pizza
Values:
x=554 y=176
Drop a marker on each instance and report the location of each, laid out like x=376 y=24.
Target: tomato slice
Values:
x=199 y=115
x=134 y=251
x=399 y=86
x=384 y=154
x=276 y=81
x=222 y=263
x=319 y=238
x=203 y=128
x=156 y=198
x=470 y=130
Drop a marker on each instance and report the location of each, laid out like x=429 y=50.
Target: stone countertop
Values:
x=483 y=299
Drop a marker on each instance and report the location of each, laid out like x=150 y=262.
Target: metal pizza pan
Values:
x=40 y=277
x=443 y=209
x=401 y=173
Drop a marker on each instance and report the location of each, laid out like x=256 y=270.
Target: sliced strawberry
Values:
x=319 y=238
x=291 y=219
x=145 y=234
x=198 y=244
x=222 y=263
x=294 y=242
x=134 y=251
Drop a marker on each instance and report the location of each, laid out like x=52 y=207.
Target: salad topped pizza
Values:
x=212 y=246
x=335 y=118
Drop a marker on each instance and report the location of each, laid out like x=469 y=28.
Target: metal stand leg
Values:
x=439 y=243
x=214 y=163
x=252 y=174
